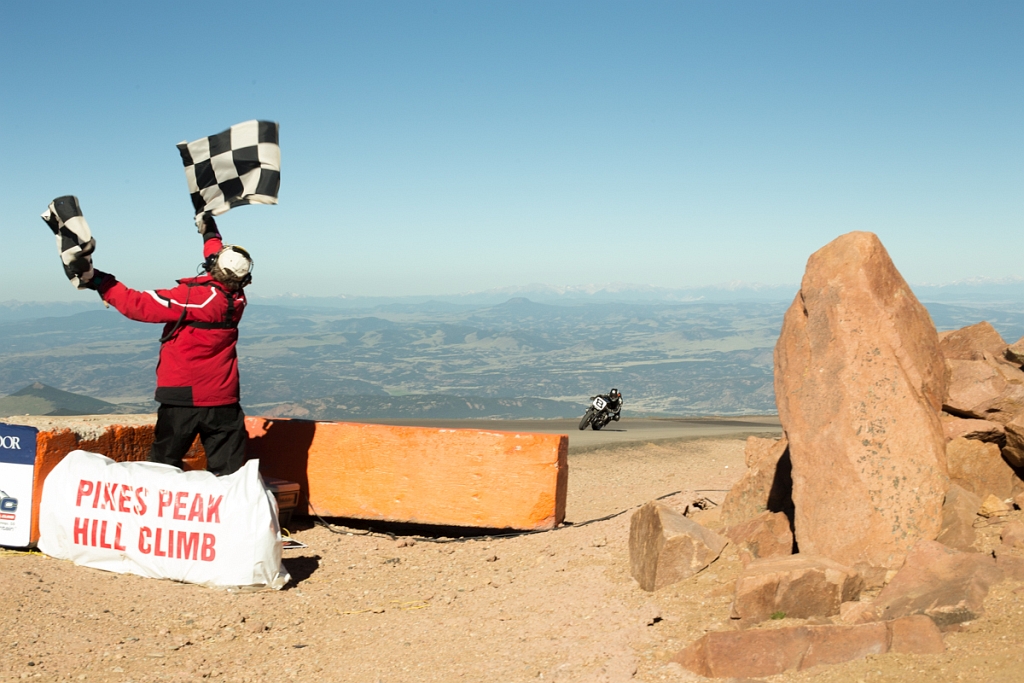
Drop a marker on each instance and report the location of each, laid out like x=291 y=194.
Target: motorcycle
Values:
x=598 y=415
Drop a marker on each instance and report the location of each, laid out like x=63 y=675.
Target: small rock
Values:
x=765 y=486
x=799 y=586
x=1013 y=535
x=942 y=583
x=1012 y=566
x=491 y=558
x=987 y=389
x=980 y=430
x=916 y=635
x=1013 y=451
x=874 y=577
x=959 y=511
x=855 y=612
x=1015 y=352
x=991 y=506
x=766 y=535
x=666 y=547
x=972 y=342
x=979 y=467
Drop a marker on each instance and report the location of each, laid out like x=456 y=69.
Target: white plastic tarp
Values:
x=155 y=520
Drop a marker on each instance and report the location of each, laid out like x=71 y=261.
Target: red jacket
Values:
x=198 y=364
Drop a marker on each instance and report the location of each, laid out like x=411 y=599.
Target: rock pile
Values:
x=897 y=441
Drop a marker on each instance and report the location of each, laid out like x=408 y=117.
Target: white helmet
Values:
x=232 y=266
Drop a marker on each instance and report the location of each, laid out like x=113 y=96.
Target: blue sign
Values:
x=17 y=444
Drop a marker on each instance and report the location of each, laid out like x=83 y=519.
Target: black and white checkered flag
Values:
x=241 y=165
x=74 y=239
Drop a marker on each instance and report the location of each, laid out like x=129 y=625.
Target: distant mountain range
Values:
x=518 y=358
x=977 y=290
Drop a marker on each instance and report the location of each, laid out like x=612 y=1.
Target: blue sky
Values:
x=444 y=147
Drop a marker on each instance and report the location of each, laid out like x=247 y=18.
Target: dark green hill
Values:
x=40 y=399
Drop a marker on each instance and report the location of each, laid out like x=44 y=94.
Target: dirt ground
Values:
x=554 y=606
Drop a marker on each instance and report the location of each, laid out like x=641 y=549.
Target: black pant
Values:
x=220 y=428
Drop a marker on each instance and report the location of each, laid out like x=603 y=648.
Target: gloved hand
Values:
x=205 y=224
x=100 y=281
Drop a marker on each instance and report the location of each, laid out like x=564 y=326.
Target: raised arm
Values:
x=160 y=306
x=212 y=241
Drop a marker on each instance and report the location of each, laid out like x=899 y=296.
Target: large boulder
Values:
x=988 y=389
x=766 y=486
x=859 y=382
x=798 y=586
x=666 y=547
x=972 y=343
x=979 y=467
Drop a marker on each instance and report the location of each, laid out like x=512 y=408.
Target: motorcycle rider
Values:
x=197 y=375
x=614 y=399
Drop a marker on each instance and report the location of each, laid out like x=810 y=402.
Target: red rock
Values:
x=1013 y=451
x=768 y=652
x=993 y=506
x=972 y=343
x=945 y=584
x=916 y=635
x=1015 y=352
x=799 y=586
x=984 y=389
x=767 y=535
x=725 y=654
x=1012 y=535
x=1012 y=566
x=859 y=382
x=979 y=467
x=765 y=486
x=970 y=428
x=958 y=514
x=856 y=611
x=874 y=577
x=666 y=547
x=842 y=643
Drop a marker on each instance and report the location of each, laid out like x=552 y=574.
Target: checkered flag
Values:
x=241 y=165
x=74 y=240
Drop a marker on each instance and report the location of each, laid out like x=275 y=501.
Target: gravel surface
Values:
x=551 y=606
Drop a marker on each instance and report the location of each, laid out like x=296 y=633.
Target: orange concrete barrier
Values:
x=459 y=477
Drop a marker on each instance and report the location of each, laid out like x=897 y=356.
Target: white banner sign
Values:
x=157 y=521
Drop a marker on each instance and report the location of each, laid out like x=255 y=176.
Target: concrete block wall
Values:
x=457 y=477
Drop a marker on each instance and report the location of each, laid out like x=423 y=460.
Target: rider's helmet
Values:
x=232 y=266
x=614 y=393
